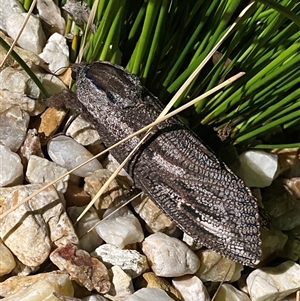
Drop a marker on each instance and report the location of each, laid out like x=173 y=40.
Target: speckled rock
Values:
x=168 y=256
x=130 y=261
x=36 y=288
x=274 y=283
x=191 y=288
x=85 y=270
x=216 y=268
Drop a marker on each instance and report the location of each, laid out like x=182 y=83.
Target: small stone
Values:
x=7 y=261
x=111 y=164
x=75 y=195
x=113 y=194
x=216 y=268
x=287 y=158
x=31 y=59
x=293 y=185
x=36 y=288
x=51 y=119
x=14 y=123
x=88 y=241
x=11 y=171
x=168 y=256
x=9 y=99
x=43 y=171
x=274 y=283
x=155 y=219
x=122 y=284
x=146 y=294
x=121 y=228
x=35 y=224
x=32 y=38
x=191 y=288
x=149 y=279
x=292 y=246
x=85 y=270
x=50 y=13
x=273 y=243
x=282 y=205
x=8 y=7
x=258 y=168
x=69 y=154
x=56 y=53
x=23 y=270
x=130 y=261
x=83 y=132
x=227 y=292
x=194 y=245
x=31 y=146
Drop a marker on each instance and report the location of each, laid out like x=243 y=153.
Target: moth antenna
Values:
x=219 y=287
x=109 y=215
x=156 y=122
x=33 y=3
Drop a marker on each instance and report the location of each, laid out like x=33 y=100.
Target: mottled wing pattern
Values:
x=197 y=191
x=180 y=174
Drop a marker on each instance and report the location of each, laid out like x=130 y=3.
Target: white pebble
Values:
x=274 y=283
x=56 y=53
x=227 y=292
x=122 y=283
x=69 y=154
x=50 y=13
x=42 y=171
x=83 y=132
x=41 y=289
x=11 y=171
x=7 y=261
x=130 y=261
x=149 y=293
x=88 y=241
x=120 y=229
x=32 y=38
x=14 y=123
x=258 y=168
x=169 y=257
x=191 y=288
x=8 y=7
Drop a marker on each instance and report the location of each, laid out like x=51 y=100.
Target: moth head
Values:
x=121 y=88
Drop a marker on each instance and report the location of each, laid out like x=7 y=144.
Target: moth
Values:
x=173 y=166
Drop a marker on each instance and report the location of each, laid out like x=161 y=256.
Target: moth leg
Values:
x=66 y=99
